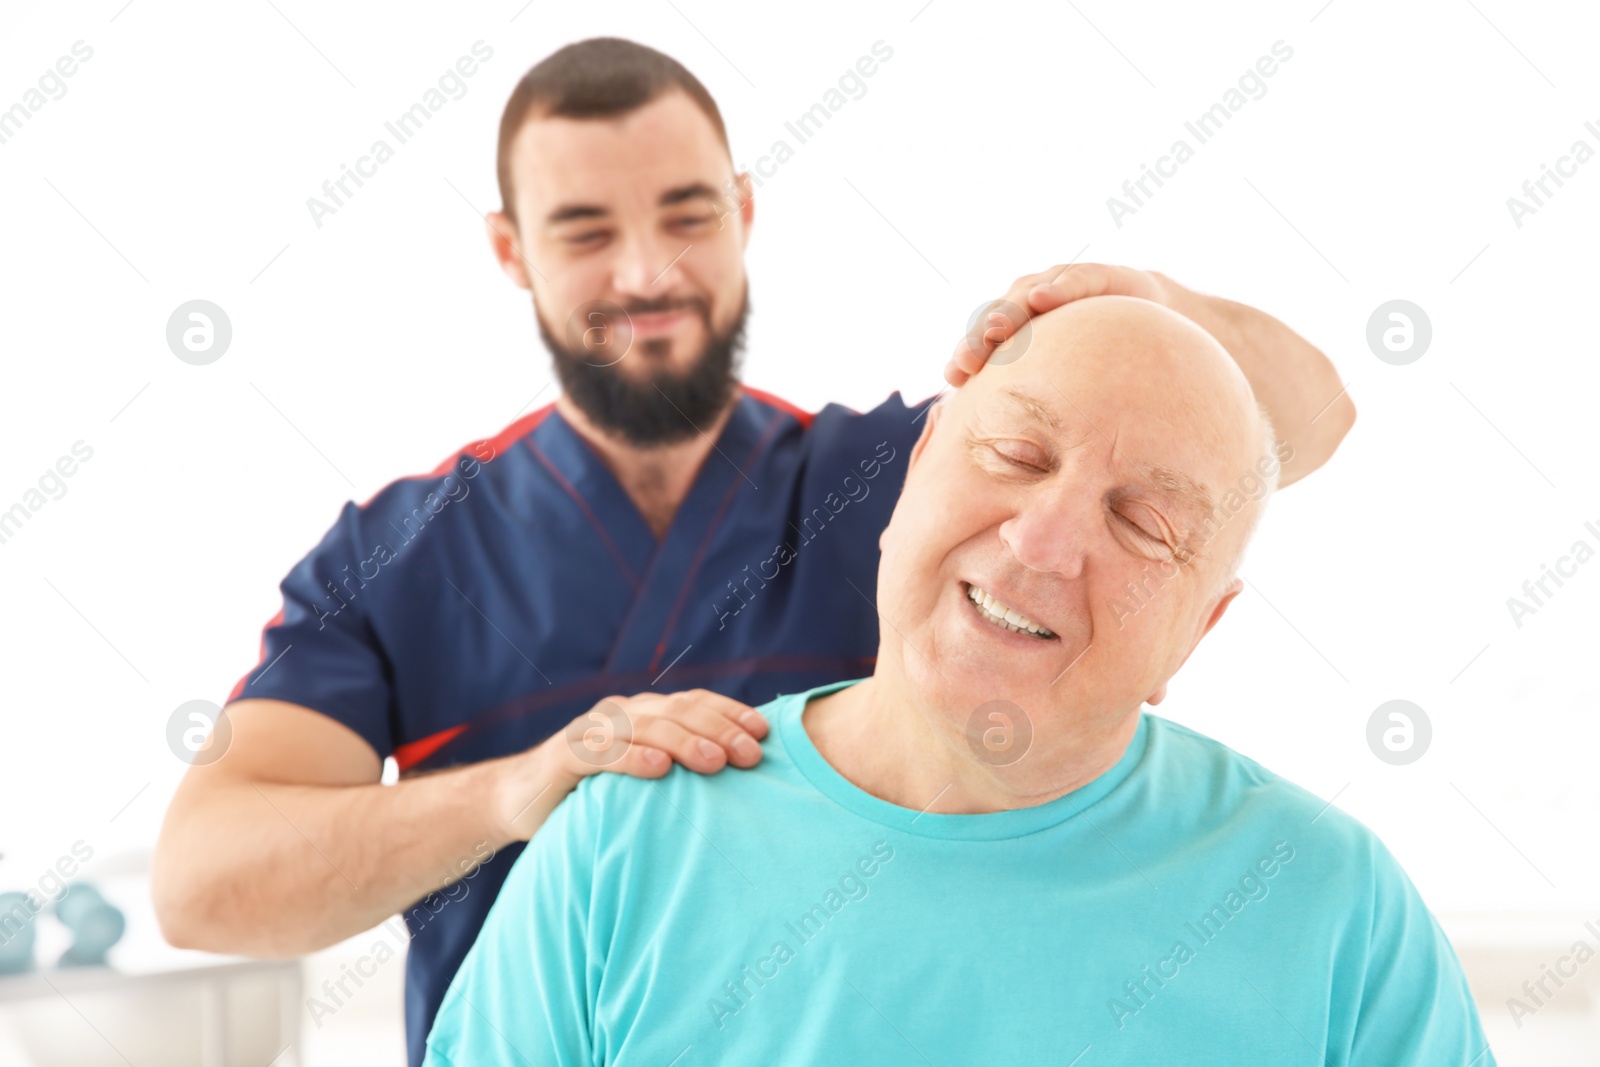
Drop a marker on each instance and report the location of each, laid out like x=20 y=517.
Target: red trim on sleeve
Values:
x=412 y=753
x=498 y=444
x=781 y=404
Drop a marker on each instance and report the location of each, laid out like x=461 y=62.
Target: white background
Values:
x=1376 y=166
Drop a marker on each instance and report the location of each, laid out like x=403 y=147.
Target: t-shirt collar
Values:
x=989 y=826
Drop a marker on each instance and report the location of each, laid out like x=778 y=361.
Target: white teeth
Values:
x=1000 y=615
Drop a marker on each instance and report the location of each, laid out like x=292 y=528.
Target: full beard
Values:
x=662 y=407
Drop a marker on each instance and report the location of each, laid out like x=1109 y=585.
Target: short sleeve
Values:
x=522 y=995
x=1415 y=1006
x=321 y=651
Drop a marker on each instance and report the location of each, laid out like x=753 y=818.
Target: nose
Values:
x=1049 y=530
x=647 y=264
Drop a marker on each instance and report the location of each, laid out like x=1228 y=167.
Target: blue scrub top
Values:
x=473 y=612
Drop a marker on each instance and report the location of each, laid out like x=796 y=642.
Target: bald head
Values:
x=1163 y=396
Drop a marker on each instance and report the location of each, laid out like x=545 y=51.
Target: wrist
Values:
x=551 y=763
x=529 y=785
x=1208 y=312
x=1169 y=293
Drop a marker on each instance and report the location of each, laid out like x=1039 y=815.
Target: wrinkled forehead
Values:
x=1147 y=396
x=1161 y=448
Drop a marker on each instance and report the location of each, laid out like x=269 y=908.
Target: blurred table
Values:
x=200 y=1010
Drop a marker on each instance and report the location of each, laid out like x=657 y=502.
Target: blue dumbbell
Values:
x=16 y=932
x=95 y=925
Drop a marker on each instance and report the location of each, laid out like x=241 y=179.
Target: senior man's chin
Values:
x=976 y=652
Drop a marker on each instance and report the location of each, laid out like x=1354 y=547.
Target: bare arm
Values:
x=289 y=842
x=1297 y=384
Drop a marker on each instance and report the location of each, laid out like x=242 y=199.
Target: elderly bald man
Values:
x=988 y=851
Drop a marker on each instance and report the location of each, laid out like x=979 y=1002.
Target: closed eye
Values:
x=1156 y=541
x=1021 y=455
x=1141 y=530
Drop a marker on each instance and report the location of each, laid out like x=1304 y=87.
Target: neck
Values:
x=903 y=747
x=656 y=479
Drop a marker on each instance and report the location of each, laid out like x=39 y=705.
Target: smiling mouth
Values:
x=655 y=320
x=993 y=611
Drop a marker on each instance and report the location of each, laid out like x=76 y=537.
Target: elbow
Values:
x=179 y=925
x=1330 y=425
x=204 y=905
x=191 y=896
x=1323 y=437
x=199 y=910
x=1342 y=414
x=179 y=931
x=179 y=892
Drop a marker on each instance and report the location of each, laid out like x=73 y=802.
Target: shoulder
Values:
x=610 y=803
x=476 y=463
x=894 y=424
x=1246 y=792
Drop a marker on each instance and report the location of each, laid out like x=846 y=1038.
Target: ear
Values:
x=506 y=243
x=747 y=205
x=935 y=412
x=1233 y=590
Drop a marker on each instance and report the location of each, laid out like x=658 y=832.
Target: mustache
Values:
x=654 y=307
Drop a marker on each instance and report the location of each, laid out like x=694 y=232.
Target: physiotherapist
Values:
x=658 y=528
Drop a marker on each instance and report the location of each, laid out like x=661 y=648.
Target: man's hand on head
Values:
x=1300 y=388
x=1035 y=294
x=642 y=736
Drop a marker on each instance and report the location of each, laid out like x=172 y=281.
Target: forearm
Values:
x=272 y=869
x=1293 y=380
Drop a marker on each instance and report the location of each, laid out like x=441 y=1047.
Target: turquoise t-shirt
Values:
x=1187 y=906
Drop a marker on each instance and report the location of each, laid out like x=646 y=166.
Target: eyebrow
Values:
x=692 y=191
x=1035 y=409
x=1163 y=480
x=1179 y=485
x=676 y=195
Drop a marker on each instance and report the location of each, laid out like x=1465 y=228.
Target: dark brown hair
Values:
x=602 y=77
